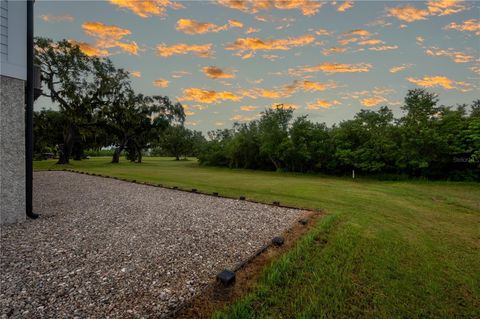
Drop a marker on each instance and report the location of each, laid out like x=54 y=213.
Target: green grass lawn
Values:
x=385 y=249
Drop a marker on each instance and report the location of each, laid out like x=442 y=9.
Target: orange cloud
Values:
x=110 y=36
x=456 y=56
x=323 y=32
x=329 y=68
x=334 y=50
x=345 y=6
x=289 y=89
x=472 y=25
x=60 y=18
x=161 y=83
x=384 y=48
x=136 y=74
x=244 y=118
x=400 y=68
x=89 y=49
x=252 y=30
x=445 y=7
x=214 y=72
x=251 y=45
x=147 y=8
x=372 y=97
x=207 y=96
x=361 y=32
x=248 y=108
x=371 y=42
x=321 y=104
x=201 y=50
x=353 y=36
x=189 y=26
x=441 y=81
x=373 y=101
x=308 y=7
x=408 y=13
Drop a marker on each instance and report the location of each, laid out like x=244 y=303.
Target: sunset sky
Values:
x=226 y=61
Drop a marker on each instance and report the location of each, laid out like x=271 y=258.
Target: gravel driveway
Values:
x=105 y=248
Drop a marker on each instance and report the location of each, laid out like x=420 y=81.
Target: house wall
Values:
x=12 y=150
x=13 y=74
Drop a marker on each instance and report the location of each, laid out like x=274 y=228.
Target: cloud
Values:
x=57 y=18
x=345 y=6
x=440 y=81
x=330 y=68
x=384 y=48
x=445 y=7
x=308 y=7
x=248 y=108
x=147 y=8
x=399 y=68
x=334 y=50
x=191 y=123
x=472 y=25
x=252 y=30
x=110 y=36
x=161 y=83
x=214 y=72
x=370 y=98
x=408 y=13
x=420 y=40
x=314 y=86
x=208 y=96
x=321 y=104
x=456 y=56
x=289 y=89
x=373 y=101
x=180 y=74
x=191 y=27
x=323 y=32
x=136 y=74
x=201 y=50
x=251 y=45
x=371 y=42
x=89 y=49
x=219 y=123
x=353 y=36
x=271 y=57
x=244 y=118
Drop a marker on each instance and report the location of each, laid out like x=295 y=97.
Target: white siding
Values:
x=13 y=46
x=3 y=29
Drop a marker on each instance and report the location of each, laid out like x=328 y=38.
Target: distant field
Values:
x=384 y=250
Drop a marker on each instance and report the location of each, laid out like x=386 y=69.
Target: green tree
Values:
x=75 y=82
x=273 y=134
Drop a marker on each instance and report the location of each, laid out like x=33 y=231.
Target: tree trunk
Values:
x=118 y=151
x=139 y=155
x=66 y=147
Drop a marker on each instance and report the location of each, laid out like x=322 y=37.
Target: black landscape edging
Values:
x=196 y=191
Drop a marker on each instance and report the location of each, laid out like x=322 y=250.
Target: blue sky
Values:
x=228 y=60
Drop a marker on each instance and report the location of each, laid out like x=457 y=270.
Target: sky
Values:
x=226 y=61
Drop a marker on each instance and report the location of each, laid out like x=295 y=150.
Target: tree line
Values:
x=428 y=141
x=97 y=107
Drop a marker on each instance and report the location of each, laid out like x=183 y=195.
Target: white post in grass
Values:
x=353 y=173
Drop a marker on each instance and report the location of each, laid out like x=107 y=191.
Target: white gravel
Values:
x=105 y=248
